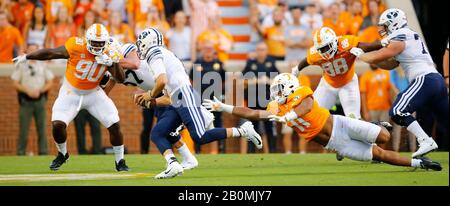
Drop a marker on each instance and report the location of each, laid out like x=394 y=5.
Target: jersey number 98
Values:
x=339 y=66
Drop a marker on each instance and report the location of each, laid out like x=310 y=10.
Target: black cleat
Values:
x=427 y=164
x=339 y=157
x=121 y=166
x=58 y=161
x=386 y=125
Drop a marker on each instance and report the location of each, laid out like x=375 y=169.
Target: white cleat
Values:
x=425 y=147
x=251 y=134
x=173 y=169
x=189 y=164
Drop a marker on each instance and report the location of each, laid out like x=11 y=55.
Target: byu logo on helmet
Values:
x=391 y=20
x=148 y=39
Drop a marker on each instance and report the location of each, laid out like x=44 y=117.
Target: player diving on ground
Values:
x=295 y=106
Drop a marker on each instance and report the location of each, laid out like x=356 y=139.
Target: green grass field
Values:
x=229 y=169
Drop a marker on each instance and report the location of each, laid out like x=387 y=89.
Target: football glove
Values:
x=275 y=118
x=356 y=51
x=217 y=106
x=385 y=42
x=104 y=59
x=294 y=71
x=20 y=59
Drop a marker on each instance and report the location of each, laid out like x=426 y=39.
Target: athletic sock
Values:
x=185 y=152
x=415 y=162
x=237 y=132
x=62 y=148
x=118 y=152
x=415 y=129
x=170 y=158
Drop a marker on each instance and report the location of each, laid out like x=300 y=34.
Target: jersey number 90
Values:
x=85 y=70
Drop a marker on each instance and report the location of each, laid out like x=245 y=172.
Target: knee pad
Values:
x=403 y=120
x=173 y=138
x=59 y=131
x=58 y=127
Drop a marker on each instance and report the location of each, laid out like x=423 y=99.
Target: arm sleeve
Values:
x=158 y=67
x=154 y=54
x=70 y=45
x=127 y=48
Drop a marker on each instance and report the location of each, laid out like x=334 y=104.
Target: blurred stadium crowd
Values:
x=197 y=31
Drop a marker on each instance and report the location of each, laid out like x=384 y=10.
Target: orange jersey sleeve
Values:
x=272 y=107
x=82 y=71
x=304 y=80
x=310 y=124
x=339 y=70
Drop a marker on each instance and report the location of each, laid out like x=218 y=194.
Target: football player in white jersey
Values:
x=139 y=75
x=170 y=75
x=427 y=90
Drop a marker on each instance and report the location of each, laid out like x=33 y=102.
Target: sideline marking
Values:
x=78 y=176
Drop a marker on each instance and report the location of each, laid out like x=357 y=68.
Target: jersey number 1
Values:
x=86 y=70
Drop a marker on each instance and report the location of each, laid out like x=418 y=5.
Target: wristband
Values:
x=152 y=102
x=227 y=108
x=291 y=115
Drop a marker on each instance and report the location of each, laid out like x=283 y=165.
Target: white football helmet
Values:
x=148 y=39
x=391 y=20
x=326 y=42
x=282 y=86
x=96 y=39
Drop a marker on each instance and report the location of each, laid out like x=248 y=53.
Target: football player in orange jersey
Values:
x=332 y=54
x=295 y=106
x=86 y=64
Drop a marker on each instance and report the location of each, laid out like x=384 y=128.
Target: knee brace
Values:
x=402 y=119
x=59 y=131
x=173 y=138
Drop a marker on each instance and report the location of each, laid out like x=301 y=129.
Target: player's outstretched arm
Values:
x=301 y=109
x=368 y=47
x=388 y=64
x=384 y=57
x=43 y=54
x=251 y=114
x=48 y=54
x=393 y=49
x=296 y=70
x=243 y=112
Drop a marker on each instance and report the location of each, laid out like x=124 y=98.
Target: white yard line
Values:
x=80 y=176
